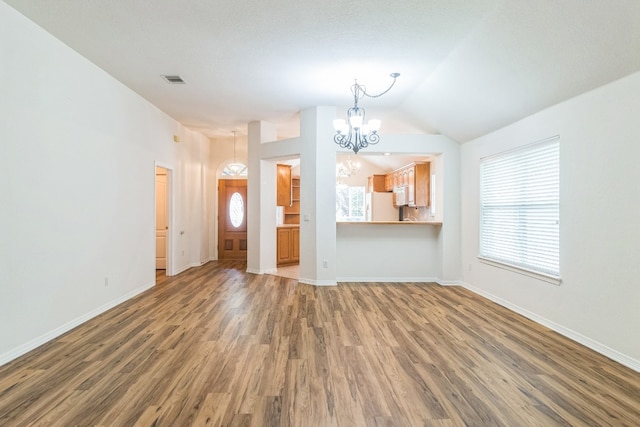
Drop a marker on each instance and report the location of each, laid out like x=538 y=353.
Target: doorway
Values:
x=232 y=219
x=162 y=196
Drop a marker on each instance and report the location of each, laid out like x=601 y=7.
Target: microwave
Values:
x=400 y=195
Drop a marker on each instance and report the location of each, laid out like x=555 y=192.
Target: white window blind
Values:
x=520 y=208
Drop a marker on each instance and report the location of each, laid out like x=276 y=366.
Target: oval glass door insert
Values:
x=236 y=209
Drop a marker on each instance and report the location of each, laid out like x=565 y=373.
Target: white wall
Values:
x=420 y=252
x=389 y=253
x=317 y=195
x=598 y=301
x=77 y=162
x=434 y=251
x=261 y=196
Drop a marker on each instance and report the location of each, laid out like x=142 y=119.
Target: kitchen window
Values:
x=520 y=209
x=349 y=203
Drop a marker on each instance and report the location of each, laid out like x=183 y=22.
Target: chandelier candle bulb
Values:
x=356 y=121
x=340 y=125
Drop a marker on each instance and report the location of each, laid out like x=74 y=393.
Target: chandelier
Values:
x=347 y=168
x=236 y=168
x=354 y=133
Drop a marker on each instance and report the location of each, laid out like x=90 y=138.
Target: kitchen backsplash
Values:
x=416 y=214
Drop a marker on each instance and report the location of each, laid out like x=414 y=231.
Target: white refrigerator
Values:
x=379 y=207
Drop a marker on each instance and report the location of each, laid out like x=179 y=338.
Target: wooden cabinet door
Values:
x=295 y=244
x=422 y=184
x=288 y=242
x=411 y=185
x=283 y=185
x=284 y=246
x=376 y=183
x=388 y=182
x=292 y=212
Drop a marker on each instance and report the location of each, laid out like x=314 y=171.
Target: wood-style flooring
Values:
x=216 y=346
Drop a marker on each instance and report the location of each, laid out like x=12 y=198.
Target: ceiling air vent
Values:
x=174 y=80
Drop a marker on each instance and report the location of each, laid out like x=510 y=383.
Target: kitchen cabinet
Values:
x=411 y=185
x=396 y=179
x=288 y=194
x=388 y=182
x=415 y=177
x=376 y=183
x=418 y=184
x=283 y=182
x=292 y=211
x=405 y=177
x=288 y=242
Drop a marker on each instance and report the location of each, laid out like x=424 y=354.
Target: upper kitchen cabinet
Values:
x=288 y=194
x=376 y=183
x=388 y=182
x=283 y=185
x=418 y=184
x=415 y=177
x=292 y=212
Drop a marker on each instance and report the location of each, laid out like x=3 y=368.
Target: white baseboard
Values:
x=450 y=282
x=389 y=279
x=182 y=269
x=258 y=271
x=317 y=282
x=37 y=342
x=569 y=333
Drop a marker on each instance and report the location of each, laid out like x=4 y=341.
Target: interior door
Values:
x=232 y=219
x=161 y=218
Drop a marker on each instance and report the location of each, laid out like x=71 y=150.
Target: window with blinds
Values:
x=520 y=208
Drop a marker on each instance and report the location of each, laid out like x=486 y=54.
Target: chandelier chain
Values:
x=363 y=88
x=234 y=146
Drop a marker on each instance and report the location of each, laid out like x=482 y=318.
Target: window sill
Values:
x=556 y=280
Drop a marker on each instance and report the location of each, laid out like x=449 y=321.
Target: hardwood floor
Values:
x=217 y=346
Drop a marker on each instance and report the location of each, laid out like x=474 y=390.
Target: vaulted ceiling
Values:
x=467 y=66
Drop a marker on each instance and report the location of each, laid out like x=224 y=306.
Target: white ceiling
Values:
x=467 y=66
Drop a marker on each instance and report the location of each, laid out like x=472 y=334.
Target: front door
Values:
x=232 y=219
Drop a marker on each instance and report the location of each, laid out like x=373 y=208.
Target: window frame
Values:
x=351 y=218
x=530 y=213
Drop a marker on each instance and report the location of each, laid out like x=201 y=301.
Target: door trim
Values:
x=221 y=222
x=170 y=216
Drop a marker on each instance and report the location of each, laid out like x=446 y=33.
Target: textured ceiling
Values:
x=467 y=67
